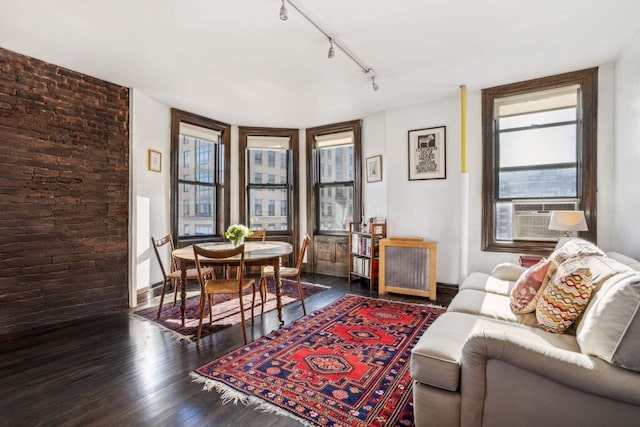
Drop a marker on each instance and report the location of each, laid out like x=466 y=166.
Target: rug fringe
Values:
x=230 y=395
x=175 y=336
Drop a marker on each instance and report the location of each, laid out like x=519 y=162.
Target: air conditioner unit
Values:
x=531 y=218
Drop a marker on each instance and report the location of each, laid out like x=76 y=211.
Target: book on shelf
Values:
x=361 y=266
x=361 y=245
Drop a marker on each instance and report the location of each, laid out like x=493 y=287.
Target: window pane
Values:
x=504 y=219
x=336 y=211
x=262 y=206
x=538 y=146
x=198 y=209
x=539 y=118
x=258 y=169
x=539 y=184
x=220 y=164
x=336 y=164
x=204 y=166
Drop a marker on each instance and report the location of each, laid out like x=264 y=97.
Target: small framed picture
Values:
x=427 y=153
x=374 y=169
x=155 y=161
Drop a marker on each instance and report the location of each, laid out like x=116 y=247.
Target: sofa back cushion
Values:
x=528 y=288
x=628 y=261
x=610 y=326
x=574 y=247
x=565 y=296
x=602 y=268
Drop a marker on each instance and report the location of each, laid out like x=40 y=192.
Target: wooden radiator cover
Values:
x=408 y=266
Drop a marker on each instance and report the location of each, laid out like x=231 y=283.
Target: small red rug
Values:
x=226 y=310
x=346 y=364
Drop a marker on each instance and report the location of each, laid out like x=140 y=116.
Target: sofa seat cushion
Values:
x=486 y=283
x=488 y=304
x=435 y=359
x=610 y=326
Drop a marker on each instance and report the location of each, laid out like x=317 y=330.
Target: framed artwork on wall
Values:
x=427 y=153
x=155 y=161
x=374 y=169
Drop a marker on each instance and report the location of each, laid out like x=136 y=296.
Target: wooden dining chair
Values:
x=171 y=275
x=258 y=234
x=213 y=286
x=286 y=272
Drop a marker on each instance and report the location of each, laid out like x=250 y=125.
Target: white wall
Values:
x=150 y=124
x=626 y=180
x=605 y=156
x=374 y=194
x=426 y=208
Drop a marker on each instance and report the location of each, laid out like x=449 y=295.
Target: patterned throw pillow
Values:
x=565 y=297
x=528 y=288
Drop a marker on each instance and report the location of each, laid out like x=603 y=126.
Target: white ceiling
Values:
x=235 y=61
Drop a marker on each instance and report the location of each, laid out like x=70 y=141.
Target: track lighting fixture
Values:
x=283 y=12
x=332 y=41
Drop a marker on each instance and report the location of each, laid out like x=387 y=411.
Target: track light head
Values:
x=332 y=51
x=374 y=84
x=283 y=12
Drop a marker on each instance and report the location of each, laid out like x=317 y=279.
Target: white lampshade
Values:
x=568 y=221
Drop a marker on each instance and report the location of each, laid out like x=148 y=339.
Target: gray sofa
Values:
x=480 y=364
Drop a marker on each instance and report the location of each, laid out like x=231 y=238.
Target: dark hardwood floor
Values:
x=119 y=370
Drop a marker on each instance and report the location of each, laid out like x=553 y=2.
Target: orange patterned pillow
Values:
x=565 y=297
x=528 y=288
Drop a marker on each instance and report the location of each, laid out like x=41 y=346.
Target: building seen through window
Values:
x=335 y=180
x=197 y=187
x=262 y=196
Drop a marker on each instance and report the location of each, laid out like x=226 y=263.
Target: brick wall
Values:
x=64 y=182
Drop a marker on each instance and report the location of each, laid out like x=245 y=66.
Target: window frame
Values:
x=586 y=159
x=222 y=202
x=313 y=169
x=293 y=231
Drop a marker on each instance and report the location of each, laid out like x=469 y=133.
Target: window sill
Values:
x=535 y=248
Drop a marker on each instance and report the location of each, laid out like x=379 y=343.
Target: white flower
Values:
x=237 y=232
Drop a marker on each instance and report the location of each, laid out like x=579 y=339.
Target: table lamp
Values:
x=568 y=221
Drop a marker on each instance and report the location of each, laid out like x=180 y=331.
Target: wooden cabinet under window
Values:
x=363 y=251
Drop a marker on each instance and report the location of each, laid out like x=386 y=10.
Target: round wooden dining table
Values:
x=255 y=253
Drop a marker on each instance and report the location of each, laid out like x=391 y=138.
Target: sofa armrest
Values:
x=570 y=368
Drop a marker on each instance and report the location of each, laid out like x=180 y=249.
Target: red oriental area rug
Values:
x=226 y=309
x=344 y=365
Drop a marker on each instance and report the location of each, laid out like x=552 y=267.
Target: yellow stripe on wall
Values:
x=463 y=128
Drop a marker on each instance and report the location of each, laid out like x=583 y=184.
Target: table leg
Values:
x=183 y=289
x=278 y=280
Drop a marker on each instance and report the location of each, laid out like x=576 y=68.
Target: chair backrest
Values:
x=166 y=240
x=303 y=249
x=258 y=234
x=200 y=252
